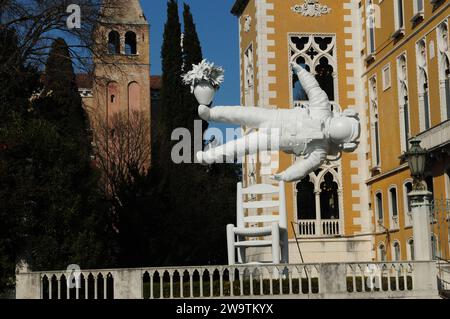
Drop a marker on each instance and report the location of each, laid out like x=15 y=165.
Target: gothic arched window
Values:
x=316 y=53
x=422 y=74
x=375 y=123
x=403 y=93
x=382 y=252
x=249 y=76
x=396 y=252
x=329 y=198
x=306 y=199
x=114 y=42
x=130 y=43
x=411 y=249
x=379 y=207
x=319 y=203
x=444 y=69
x=324 y=75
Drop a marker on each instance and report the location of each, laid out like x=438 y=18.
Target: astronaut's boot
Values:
x=201 y=158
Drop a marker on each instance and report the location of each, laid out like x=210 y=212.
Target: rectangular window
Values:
x=418 y=6
x=386 y=77
x=371 y=38
x=399 y=15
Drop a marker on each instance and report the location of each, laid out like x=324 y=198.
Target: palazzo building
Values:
x=389 y=60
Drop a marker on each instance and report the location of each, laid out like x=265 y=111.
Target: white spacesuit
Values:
x=313 y=133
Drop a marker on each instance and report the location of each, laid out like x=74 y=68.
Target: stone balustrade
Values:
x=319 y=228
x=343 y=280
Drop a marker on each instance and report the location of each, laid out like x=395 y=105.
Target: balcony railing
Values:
x=319 y=228
x=302 y=281
x=436 y=136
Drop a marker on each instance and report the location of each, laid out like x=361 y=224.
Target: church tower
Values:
x=121 y=63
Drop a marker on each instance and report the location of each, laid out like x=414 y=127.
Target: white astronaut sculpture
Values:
x=313 y=134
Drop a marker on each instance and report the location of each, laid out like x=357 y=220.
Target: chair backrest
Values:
x=260 y=190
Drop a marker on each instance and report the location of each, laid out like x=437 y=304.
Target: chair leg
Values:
x=230 y=244
x=275 y=243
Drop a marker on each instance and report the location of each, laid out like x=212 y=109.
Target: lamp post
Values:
x=420 y=202
x=416 y=157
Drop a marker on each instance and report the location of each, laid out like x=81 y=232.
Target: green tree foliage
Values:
x=192 y=54
x=62 y=104
x=52 y=211
x=172 y=61
x=191 y=203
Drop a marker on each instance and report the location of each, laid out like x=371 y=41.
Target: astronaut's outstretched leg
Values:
x=251 y=117
x=237 y=149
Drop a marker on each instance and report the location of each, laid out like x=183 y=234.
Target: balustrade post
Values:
x=333 y=279
x=317 y=225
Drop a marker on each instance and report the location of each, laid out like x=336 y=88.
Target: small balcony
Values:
x=319 y=228
x=435 y=137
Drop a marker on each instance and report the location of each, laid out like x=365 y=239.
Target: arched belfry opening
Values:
x=114 y=42
x=130 y=43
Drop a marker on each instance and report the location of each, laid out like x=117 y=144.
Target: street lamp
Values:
x=416 y=158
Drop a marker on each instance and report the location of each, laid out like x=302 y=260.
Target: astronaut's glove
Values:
x=296 y=68
x=277 y=177
x=350 y=113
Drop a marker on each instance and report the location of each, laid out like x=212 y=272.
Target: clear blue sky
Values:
x=219 y=36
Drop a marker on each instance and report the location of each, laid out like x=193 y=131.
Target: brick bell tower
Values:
x=121 y=62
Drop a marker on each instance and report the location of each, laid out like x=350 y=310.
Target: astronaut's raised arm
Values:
x=303 y=168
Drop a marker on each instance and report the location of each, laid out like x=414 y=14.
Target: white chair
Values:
x=253 y=230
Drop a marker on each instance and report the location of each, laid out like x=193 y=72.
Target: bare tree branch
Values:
x=122 y=148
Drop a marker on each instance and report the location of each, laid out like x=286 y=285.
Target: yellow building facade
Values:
x=408 y=94
x=354 y=48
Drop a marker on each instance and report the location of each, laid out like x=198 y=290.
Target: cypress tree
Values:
x=62 y=105
x=46 y=179
x=171 y=98
x=191 y=44
x=192 y=54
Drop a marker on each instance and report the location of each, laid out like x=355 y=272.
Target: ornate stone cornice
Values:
x=311 y=8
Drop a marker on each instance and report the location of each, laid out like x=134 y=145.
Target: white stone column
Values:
x=421 y=206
